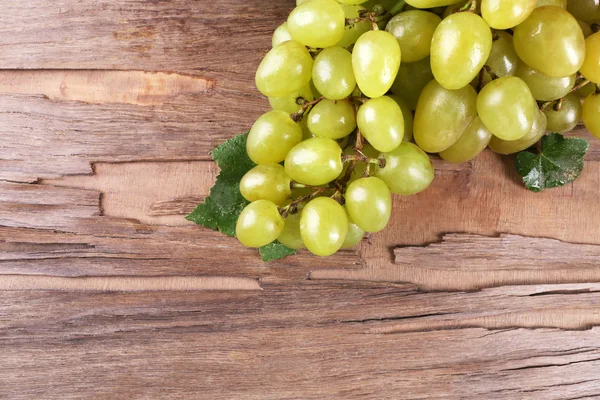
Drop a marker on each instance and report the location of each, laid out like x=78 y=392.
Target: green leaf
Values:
x=275 y=251
x=560 y=162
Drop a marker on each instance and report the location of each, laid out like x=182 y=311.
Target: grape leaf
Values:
x=223 y=206
x=560 y=162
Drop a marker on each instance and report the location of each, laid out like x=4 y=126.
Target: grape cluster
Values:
x=362 y=90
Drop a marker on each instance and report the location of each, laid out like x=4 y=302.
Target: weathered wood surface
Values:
x=108 y=109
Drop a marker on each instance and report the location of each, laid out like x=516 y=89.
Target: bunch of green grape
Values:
x=362 y=90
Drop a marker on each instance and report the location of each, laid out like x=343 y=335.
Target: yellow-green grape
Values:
x=586 y=90
x=442 y=115
x=451 y=9
x=544 y=87
x=564 y=116
x=408 y=118
x=266 y=182
x=314 y=162
x=591 y=66
x=298 y=2
x=514 y=146
x=353 y=31
x=558 y=3
x=507 y=108
x=369 y=203
x=585 y=28
x=281 y=35
x=306 y=133
x=360 y=167
x=411 y=79
x=317 y=23
x=323 y=226
x=332 y=119
x=506 y=14
x=290 y=235
x=470 y=144
x=272 y=136
x=550 y=41
x=375 y=60
x=381 y=122
x=353 y=2
x=431 y=3
x=286 y=69
x=332 y=73
x=461 y=44
x=503 y=59
x=585 y=10
x=289 y=104
x=259 y=224
x=386 y=4
x=414 y=31
x=354 y=235
x=591 y=114
x=408 y=170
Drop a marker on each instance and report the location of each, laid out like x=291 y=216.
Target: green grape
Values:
x=272 y=136
x=314 y=162
x=451 y=9
x=317 y=23
x=354 y=235
x=442 y=115
x=506 y=147
x=550 y=41
x=284 y=70
x=506 y=14
x=470 y=144
x=544 y=87
x=323 y=226
x=290 y=235
x=567 y=117
x=558 y=3
x=259 y=224
x=431 y=3
x=585 y=10
x=591 y=66
x=375 y=60
x=585 y=28
x=369 y=203
x=585 y=91
x=352 y=1
x=381 y=122
x=298 y=2
x=281 y=35
x=386 y=4
x=306 y=133
x=591 y=114
x=507 y=108
x=503 y=59
x=332 y=73
x=461 y=44
x=353 y=31
x=408 y=118
x=414 y=31
x=289 y=104
x=408 y=170
x=360 y=167
x=410 y=81
x=266 y=182
x=332 y=119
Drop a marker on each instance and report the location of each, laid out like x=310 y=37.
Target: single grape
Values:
x=585 y=10
x=503 y=59
x=414 y=31
x=284 y=70
x=431 y=3
x=369 y=203
x=314 y=162
x=586 y=90
x=558 y=3
x=544 y=87
x=272 y=136
x=410 y=81
x=332 y=119
x=461 y=44
x=290 y=235
x=408 y=118
x=514 y=146
x=470 y=144
x=408 y=170
x=585 y=28
x=290 y=104
x=266 y=182
x=381 y=122
x=375 y=60
x=567 y=117
x=360 y=167
x=281 y=35
x=259 y=224
x=317 y=23
x=442 y=115
x=353 y=31
x=323 y=226
x=387 y=4
x=506 y=14
x=591 y=66
x=591 y=114
x=354 y=235
x=507 y=108
x=332 y=73
x=550 y=41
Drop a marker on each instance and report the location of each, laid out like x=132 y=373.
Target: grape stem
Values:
x=362 y=158
x=297 y=117
x=557 y=104
x=292 y=208
x=373 y=17
x=471 y=6
x=398 y=8
x=491 y=73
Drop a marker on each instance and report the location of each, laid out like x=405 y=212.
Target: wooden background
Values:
x=108 y=110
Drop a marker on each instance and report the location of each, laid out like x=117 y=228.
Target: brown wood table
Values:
x=108 y=110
